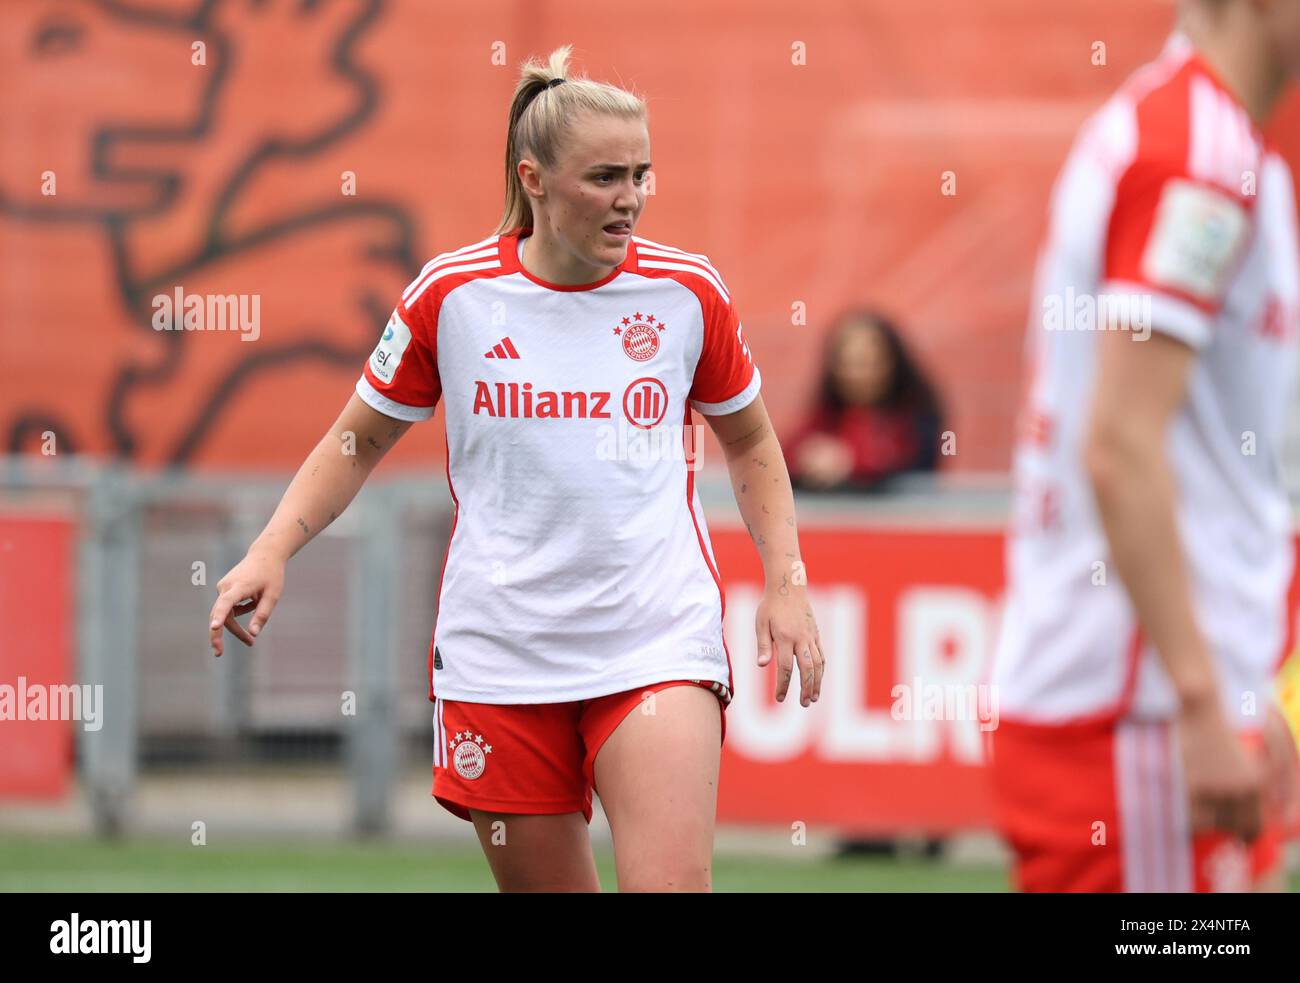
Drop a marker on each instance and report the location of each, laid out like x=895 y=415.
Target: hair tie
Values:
x=553 y=83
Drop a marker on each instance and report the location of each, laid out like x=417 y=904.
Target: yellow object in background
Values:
x=1288 y=692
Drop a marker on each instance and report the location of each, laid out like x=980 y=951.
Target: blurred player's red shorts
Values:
x=1101 y=807
x=534 y=758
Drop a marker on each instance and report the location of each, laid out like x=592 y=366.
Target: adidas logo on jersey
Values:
x=502 y=349
x=519 y=400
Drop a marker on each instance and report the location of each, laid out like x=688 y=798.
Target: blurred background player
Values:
x=579 y=586
x=876 y=413
x=1151 y=552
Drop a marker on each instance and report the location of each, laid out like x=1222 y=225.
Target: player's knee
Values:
x=660 y=874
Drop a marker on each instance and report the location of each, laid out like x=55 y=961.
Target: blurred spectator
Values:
x=876 y=415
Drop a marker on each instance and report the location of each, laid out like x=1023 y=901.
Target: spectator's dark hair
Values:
x=908 y=390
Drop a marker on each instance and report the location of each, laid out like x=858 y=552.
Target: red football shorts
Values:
x=531 y=758
x=1101 y=807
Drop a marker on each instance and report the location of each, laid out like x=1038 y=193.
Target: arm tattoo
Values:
x=741 y=440
x=304 y=526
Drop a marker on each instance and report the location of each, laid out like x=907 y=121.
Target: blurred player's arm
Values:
x=324 y=486
x=762 y=486
x=1140 y=386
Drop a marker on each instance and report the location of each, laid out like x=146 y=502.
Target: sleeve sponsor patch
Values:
x=1194 y=240
x=388 y=353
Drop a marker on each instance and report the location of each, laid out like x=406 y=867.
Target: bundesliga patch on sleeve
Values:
x=1194 y=240
x=388 y=353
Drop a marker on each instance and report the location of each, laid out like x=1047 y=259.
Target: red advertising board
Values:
x=36 y=611
x=908 y=619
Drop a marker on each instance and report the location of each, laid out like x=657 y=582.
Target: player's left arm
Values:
x=785 y=623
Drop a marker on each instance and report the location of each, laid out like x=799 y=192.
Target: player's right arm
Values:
x=399 y=385
x=1173 y=243
x=323 y=487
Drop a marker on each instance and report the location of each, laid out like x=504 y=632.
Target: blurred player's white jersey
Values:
x=1171 y=213
x=579 y=563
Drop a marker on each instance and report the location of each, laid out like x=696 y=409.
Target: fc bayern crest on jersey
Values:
x=469 y=754
x=640 y=335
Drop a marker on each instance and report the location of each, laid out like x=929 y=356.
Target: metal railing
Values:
x=343 y=662
x=344 y=657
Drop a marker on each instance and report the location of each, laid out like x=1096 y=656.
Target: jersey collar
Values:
x=509 y=255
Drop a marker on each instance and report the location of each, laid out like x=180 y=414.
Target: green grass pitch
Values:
x=85 y=865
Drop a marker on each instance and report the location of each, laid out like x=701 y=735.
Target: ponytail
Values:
x=539 y=115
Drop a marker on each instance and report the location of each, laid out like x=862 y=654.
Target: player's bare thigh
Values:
x=657 y=776
x=537 y=853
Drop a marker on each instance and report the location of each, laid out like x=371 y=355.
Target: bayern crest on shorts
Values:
x=640 y=335
x=469 y=754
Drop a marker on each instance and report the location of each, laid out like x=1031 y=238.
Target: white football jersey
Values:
x=1172 y=213
x=579 y=563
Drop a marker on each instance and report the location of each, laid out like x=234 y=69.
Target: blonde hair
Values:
x=539 y=116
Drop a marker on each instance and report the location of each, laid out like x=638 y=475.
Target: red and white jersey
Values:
x=1172 y=213
x=579 y=563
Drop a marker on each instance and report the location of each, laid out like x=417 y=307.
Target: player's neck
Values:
x=545 y=259
x=1235 y=58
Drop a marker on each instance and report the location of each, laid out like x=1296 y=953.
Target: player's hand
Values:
x=254 y=584
x=1224 y=784
x=788 y=631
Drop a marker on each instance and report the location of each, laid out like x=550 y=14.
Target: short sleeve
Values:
x=1174 y=244
x=400 y=379
x=726 y=378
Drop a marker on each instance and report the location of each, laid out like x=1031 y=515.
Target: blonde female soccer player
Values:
x=579 y=584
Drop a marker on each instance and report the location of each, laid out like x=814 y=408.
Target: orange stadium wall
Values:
x=817 y=183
